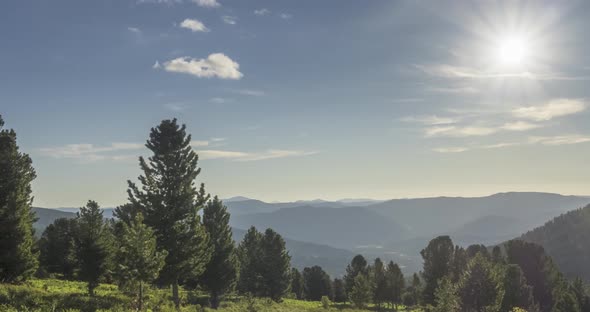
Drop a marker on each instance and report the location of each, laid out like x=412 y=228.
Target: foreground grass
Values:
x=52 y=295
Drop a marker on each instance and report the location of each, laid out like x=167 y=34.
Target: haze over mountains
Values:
x=328 y=233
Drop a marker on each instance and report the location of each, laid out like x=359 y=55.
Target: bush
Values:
x=326 y=302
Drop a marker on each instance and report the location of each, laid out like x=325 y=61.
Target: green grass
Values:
x=52 y=295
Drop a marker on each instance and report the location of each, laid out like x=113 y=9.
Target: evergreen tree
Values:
x=57 y=247
x=581 y=293
x=380 y=283
x=395 y=284
x=221 y=272
x=276 y=270
x=170 y=203
x=497 y=256
x=339 y=290
x=473 y=250
x=94 y=245
x=357 y=266
x=459 y=263
x=296 y=283
x=517 y=293
x=18 y=258
x=250 y=258
x=446 y=298
x=361 y=292
x=565 y=301
x=316 y=283
x=480 y=287
x=438 y=259
x=138 y=260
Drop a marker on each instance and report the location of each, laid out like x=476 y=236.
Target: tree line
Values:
x=172 y=233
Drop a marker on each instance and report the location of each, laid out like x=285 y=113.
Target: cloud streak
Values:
x=553 y=109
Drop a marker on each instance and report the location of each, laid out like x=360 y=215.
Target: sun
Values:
x=513 y=50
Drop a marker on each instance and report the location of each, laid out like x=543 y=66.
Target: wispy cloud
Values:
x=194 y=25
x=462 y=72
x=220 y=100
x=230 y=20
x=559 y=140
x=553 y=109
x=91 y=152
x=431 y=120
x=407 y=100
x=215 y=65
x=262 y=11
x=454 y=90
x=450 y=149
x=285 y=16
x=520 y=126
x=134 y=30
x=252 y=156
x=176 y=106
x=207 y=3
x=250 y=92
x=459 y=132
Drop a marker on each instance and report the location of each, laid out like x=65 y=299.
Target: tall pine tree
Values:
x=296 y=283
x=250 y=258
x=358 y=265
x=94 y=245
x=170 y=202
x=221 y=271
x=57 y=247
x=18 y=260
x=438 y=260
x=277 y=265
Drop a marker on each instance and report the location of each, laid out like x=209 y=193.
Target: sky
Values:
x=293 y=100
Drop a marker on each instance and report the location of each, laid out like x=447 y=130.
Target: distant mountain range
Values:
x=329 y=233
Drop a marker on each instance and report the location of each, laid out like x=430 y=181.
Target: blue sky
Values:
x=302 y=99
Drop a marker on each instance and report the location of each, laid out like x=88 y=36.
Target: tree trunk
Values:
x=140 y=296
x=214 y=300
x=175 y=297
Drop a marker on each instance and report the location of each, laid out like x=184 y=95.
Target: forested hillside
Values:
x=567 y=240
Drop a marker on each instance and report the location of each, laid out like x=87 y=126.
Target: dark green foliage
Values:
x=473 y=250
x=339 y=291
x=580 y=291
x=170 y=202
x=316 y=283
x=538 y=269
x=459 y=263
x=126 y=213
x=380 y=283
x=57 y=247
x=438 y=259
x=361 y=292
x=517 y=293
x=137 y=259
x=395 y=284
x=414 y=291
x=565 y=302
x=276 y=270
x=357 y=266
x=480 y=288
x=221 y=271
x=94 y=245
x=497 y=256
x=296 y=283
x=566 y=240
x=18 y=258
x=250 y=258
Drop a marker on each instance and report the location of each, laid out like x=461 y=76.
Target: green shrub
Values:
x=326 y=302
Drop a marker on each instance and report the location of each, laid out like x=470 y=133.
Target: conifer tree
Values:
x=395 y=284
x=296 y=283
x=361 y=292
x=357 y=266
x=438 y=259
x=94 y=245
x=18 y=258
x=339 y=291
x=250 y=258
x=170 y=203
x=517 y=293
x=221 y=271
x=316 y=283
x=446 y=299
x=57 y=247
x=276 y=270
x=138 y=260
x=380 y=283
x=480 y=287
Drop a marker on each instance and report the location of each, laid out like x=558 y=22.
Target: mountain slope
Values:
x=346 y=227
x=567 y=240
x=46 y=216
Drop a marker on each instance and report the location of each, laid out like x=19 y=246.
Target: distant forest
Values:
x=173 y=235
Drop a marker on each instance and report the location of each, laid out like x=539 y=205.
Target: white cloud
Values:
x=559 y=140
x=431 y=120
x=91 y=152
x=218 y=100
x=134 y=30
x=450 y=149
x=250 y=92
x=194 y=25
x=156 y=65
x=500 y=145
x=262 y=11
x=197 y=143
x=175 y=106
x=256 y=156
x=230 y=20
x=555 y=108
x=520 y=126
x=207 y=3
x=452 y=131
x=215 y=65
x=285 y=16
x=461 y=72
